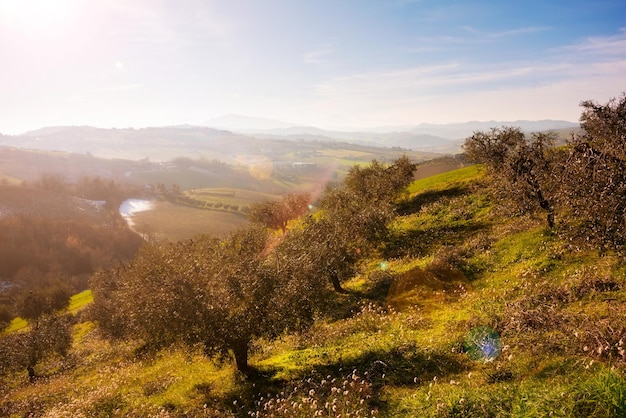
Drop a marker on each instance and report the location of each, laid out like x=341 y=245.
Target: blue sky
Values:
x=332 y=64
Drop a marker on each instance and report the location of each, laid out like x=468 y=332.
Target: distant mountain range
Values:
x=232 y=135
x=424 y=137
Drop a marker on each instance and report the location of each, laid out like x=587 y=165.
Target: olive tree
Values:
x=50 y=335
x=35 y=303
x=377 y=182
x=219 y=293
x=354 y=218
x=524 y=167
x=276 y=214
x=594 y=180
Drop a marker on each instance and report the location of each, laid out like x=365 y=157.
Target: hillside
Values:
x=167 y=143
x=41 y=203
x=464 y=311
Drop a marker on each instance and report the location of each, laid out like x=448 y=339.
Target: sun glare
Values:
x=42 y=20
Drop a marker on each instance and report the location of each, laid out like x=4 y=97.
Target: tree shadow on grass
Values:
x=415 y=204
x=421 y=242
x=406 y=366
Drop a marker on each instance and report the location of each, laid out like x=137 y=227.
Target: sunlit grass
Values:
x=80 y=300
x=558 y=315
x=462 y=176
x=17 y=324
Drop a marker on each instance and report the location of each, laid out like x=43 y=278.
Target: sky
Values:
x=339 y=64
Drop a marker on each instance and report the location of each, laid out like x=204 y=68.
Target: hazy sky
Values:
x=329 y=63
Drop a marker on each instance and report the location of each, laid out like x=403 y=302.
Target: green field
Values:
x=228 y=196
x=175 y=222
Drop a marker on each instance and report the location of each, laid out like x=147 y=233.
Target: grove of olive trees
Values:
x=225 y=293
x=580 y=186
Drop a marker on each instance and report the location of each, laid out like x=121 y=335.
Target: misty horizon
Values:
x=358 y=66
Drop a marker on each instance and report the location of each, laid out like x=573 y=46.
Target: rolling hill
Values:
x=463 y=312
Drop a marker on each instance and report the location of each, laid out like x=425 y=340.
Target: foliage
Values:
x=49 y=335
x=41 y=246
x=220 y=293
x=582 y=183
x=594 y=181
x=376 y=183
x=554 y=317
x=524 y=168
x=43 y=301
x=354 y=218
x=5 y=317
x=276 y=214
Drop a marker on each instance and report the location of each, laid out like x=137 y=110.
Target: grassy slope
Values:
x=403 y=344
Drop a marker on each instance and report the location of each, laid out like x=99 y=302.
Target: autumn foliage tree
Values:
x=277 y=213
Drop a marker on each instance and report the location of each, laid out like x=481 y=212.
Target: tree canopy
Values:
x=523 y=166
x=594 y=181
x=582 y=183
x=224 y=293
x=218 y=293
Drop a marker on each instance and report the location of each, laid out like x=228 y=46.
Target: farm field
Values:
x=167 y=221
x=225 y=196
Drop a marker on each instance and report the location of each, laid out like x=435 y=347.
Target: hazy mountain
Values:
x=445 y=138
x=242 y=123
x=466 y=129
x=165 y=143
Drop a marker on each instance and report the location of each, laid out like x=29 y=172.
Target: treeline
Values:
x=109 y=191
x=580 y=187
x=32 y=248
x=52 y=248
x=38 y=253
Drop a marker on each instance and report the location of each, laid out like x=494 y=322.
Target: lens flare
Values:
x=259 y=167
x=483 y=344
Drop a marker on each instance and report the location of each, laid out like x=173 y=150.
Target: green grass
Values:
x=80 y=300
x=17 y=324
x=228 y=197
x=401 y=343
x=174 y=222
x=446 y=180
x=76 y=303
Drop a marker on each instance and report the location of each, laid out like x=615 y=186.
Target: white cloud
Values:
x=318 y=56
x=551 y=87
x=608 y=45
x=504 y=34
